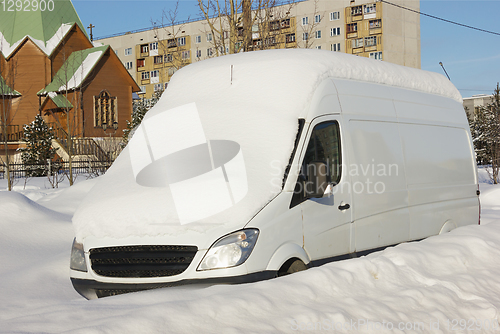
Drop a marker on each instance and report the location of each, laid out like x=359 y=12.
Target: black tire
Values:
x=291 y=266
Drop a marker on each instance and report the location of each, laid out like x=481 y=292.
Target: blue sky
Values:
x=471 y=58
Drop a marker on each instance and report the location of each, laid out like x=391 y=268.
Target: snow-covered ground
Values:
x=444 y=284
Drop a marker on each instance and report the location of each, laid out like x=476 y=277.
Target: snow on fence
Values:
x=20 y=170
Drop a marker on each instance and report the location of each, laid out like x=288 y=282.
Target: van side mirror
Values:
x=317 y=175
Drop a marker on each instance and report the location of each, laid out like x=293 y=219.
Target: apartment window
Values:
x=290 y=38
x=105 y=110
x=209 y=37
x=155 y=74
x=375 y=24
x=334 y=16
x=335 y=47
x=357 y=10
x=335 y=31
x=171 y=43
x=318 y=34
x=153 y=46
x=371 y=41
x=305 y=36
x=169 y=58
x=171 y=71
x=186 y=55
x=226 y=34
x=145 y=75
x=210 y=52
x=158 y=87
x=376 y=55
x=357 y=43
x=305 y=21
x=318 y=47
x=143 y=89
x=128 y=51
x=198 y=53
x=285 y=23
x=274 y=25
x=128 y=65
x=181 y=41
x=370 y=8
x=158 y=59
x=197 y=39
x=317 y=18
x=141 y=62
x=352 y=27
x=237 y=46
x=144 y=48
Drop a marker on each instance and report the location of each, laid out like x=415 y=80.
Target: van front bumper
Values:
x=92 y=289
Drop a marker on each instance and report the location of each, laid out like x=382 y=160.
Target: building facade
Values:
x=365 y=28
x=471 y=104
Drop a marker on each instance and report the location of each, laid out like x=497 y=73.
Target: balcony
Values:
x=14 y=134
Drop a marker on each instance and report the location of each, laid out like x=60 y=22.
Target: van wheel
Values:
x=291 y=266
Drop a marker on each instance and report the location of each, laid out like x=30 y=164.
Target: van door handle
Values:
x=344 y=207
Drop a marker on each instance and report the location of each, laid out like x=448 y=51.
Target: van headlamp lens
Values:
x=77 y=257
x=230 y=251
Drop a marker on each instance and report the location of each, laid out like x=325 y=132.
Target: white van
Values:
x=260 y=164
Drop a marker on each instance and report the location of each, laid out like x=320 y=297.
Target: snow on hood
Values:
x=213 y=150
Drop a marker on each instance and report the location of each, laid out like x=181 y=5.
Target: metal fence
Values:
x=20 y=170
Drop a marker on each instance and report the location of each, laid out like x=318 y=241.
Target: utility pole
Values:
x=91 y=36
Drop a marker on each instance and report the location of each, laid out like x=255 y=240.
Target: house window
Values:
x=169 y=58
x=186 y=55
x=335 y=47
x=376 y=55
x=209 y=37
x=318 y=33
x=144 y=48
x=318 y=47
x=305 y=36
x=182 y=41
x=375 y=24
x=357 y=10
x=290 y=38
x=210 y=52
x=128 y=65
x=352 y=27
x=305 y=21
x=357 y=43
x=370 y=8
x=317 y=18
x=335 y=31
x=153 y=46
x=158 y=87
x=143 y=89
x=145 y=75
x=198 y=53
x=197 y=39
x=334 y=16
x=371 y=41
x=158 y=59
x=225 y=34
x=128 y=51
x=105 y=110
x=154 y=74
x=141 y=62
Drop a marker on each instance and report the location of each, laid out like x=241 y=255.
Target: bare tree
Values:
x=310 y=27
x=235 y=23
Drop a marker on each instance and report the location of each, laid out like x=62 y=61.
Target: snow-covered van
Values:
x=260 y=164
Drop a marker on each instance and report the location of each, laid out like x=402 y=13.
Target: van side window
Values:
x=324 y=146
x=323 y=149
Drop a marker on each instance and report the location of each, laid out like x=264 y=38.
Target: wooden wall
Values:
x=110 y=75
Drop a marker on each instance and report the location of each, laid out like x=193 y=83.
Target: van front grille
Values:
x=141 y=261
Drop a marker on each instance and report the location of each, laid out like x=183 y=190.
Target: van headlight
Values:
x=230 y=251
x=77 y=257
